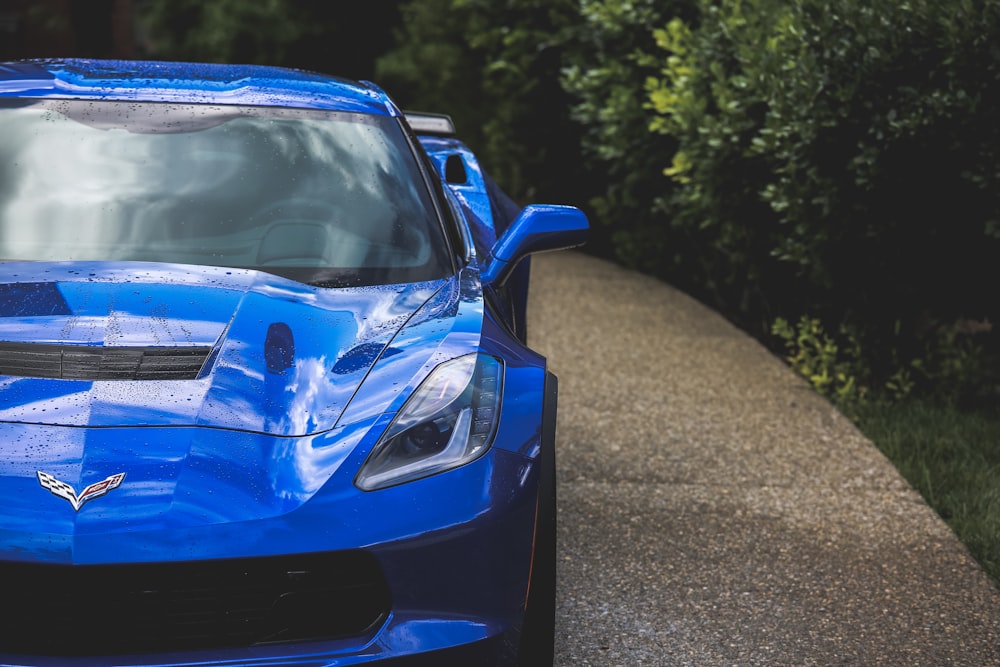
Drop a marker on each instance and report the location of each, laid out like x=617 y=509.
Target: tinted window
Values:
x=322 y=197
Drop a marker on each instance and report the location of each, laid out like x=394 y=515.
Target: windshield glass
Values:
x=322 y=197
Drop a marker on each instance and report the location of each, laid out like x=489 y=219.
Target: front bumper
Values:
x=454 y=550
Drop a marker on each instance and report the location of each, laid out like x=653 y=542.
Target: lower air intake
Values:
x=90 y=610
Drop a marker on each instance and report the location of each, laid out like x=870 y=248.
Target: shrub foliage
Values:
x=839 y=160
x=495 y=67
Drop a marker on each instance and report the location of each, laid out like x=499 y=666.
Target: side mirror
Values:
x=539 y=228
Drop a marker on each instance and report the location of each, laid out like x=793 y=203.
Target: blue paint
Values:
x=31 y=299
x=279 y=348
x=155 y=81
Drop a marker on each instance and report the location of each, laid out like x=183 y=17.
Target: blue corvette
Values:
x=264 y=392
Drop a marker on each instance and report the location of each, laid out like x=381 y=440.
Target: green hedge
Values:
x=612 y=54
x=495 y=67
x=839 y=159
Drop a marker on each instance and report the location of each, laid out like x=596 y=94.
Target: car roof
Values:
x=195 y=83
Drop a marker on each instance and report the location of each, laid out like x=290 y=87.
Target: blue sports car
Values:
x=265 y=397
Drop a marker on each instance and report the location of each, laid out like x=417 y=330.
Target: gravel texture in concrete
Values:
x=713 y=510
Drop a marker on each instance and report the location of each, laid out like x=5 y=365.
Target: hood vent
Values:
x=84 y=362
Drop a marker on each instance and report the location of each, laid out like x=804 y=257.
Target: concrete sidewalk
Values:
x=715 y=511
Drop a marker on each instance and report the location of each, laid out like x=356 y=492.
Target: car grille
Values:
x=63 y=610
x=84 y=362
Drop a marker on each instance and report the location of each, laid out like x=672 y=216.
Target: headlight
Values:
x=448 y=421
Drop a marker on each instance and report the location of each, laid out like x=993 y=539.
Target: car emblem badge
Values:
x=65 y=491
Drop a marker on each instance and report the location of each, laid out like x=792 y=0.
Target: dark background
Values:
x=341 y=38
x=61 y=28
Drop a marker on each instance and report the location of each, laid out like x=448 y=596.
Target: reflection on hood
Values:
x=282 y=358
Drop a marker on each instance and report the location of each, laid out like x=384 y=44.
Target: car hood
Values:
x=238 y=460
x=82 y=344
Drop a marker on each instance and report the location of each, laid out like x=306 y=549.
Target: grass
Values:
x=953 y=458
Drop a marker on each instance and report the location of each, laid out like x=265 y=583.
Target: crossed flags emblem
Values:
x=65 y=491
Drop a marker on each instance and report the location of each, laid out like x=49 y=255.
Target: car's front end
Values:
x=257 y=405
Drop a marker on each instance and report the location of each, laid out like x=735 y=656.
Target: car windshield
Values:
x=327 y=198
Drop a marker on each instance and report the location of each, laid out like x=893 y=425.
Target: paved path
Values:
x=714 y=511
